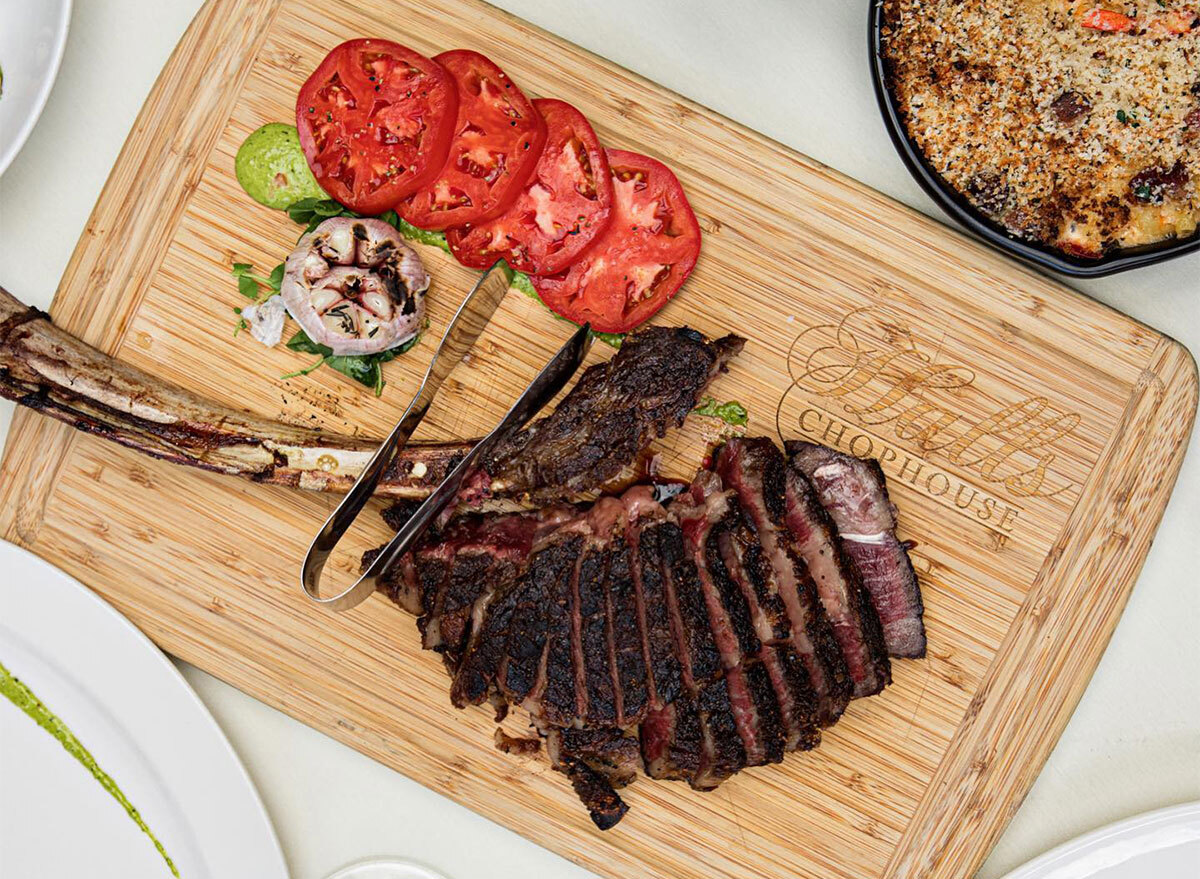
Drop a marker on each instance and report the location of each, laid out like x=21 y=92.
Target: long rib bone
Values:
x=49 y=370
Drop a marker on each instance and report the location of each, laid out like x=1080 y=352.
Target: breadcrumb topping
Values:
x=1073 y=124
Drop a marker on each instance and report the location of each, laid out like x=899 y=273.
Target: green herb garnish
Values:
x=248 y=282
x=732 y=413
x=366 y=369
x=1129 y=118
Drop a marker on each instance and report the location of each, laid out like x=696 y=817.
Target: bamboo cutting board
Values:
x=1031 y=436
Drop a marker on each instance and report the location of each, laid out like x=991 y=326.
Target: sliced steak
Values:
x=562 y=701
x=854 y=493
x=722 y=752
x=522 y=600
x=522 y=675
x=781 y=495
x=799 y=705
x=672 y=740
x=612 y=413
x=610 y=752
x=474 y=679
x=760 y=492
x=627 y=643
x=596 y=792
x=664 y=680
x=707 y=514
x=842 y=591
x=598 y=683
x=797 y=702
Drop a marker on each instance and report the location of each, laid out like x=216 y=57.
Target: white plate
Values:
x=1157 y=845
x=33 y=34
x=145 y=727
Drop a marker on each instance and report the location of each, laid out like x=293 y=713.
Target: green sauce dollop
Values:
x=272 y=169
x=21 y=696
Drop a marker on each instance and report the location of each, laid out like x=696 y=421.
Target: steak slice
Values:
x=452 y=569
x=722 y=752
x=562 y=700
x=663 y=678
x=613 y=412
x=842 y=591
x=760 y=491
x=797 y=702
x=627 y=642
x=854 y=493
x=799 y=705
x=598 y=675
x=776 y=493
x=672 y=740
x=610 y=752
x=522 y=674
x=706 y=514
x=595 y=791
x=486 y=657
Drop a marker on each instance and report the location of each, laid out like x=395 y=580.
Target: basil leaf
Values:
x=361 y=368
x=302 y=343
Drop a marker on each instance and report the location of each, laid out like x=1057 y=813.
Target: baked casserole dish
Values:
x=1073 y=127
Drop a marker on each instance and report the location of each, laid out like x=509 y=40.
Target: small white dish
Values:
x=385 y=868
x=33 y=35
x=1164 y=844
x=131 y=708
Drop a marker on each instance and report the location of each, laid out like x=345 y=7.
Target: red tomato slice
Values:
x=498 y=137
x=640 y=261
x=563 y=209
x=375 y=122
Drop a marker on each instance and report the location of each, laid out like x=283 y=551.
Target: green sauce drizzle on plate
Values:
x=21 y=696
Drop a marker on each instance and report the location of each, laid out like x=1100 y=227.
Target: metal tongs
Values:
x=466 y=327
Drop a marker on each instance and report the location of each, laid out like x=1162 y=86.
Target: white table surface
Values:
x=796 y=70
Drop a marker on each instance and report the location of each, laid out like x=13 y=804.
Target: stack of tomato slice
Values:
x=451 y=143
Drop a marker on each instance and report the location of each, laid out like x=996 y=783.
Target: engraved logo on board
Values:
x=869 y=386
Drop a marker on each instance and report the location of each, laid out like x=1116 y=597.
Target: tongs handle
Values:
x=541 y=391
x=464 y=329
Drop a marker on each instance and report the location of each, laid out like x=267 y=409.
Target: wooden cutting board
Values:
x=1032 y=437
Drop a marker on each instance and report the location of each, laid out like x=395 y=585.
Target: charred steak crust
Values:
x=627 y=635
x=560 y=704
x=524 y=671
x=593 y=613
x=613 y=412
x=596 y=792
x=664 y=664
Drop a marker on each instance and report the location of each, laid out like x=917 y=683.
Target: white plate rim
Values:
x=1152 y=829
x=43 y=95
x=200 y=722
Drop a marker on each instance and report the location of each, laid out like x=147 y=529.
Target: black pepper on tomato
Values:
x=375 y=121
x=559 y=213
x=640 y=261
x=498 y=138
